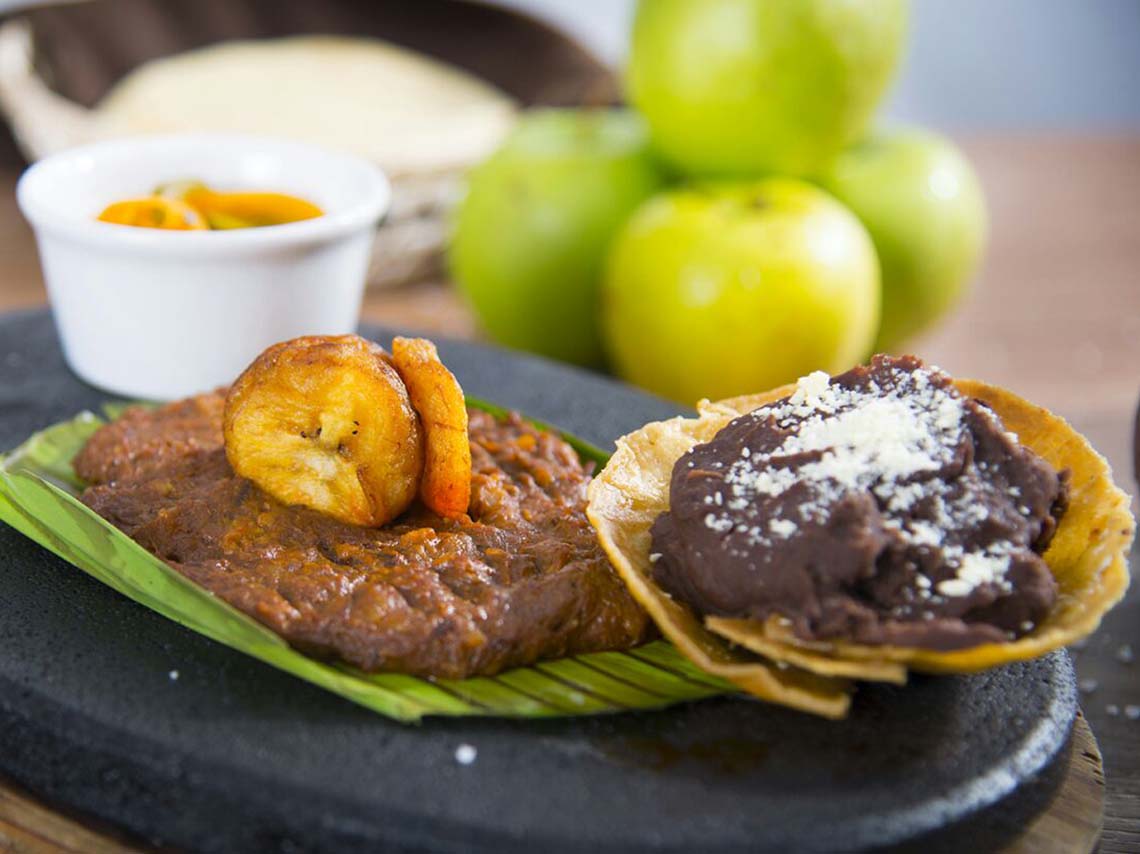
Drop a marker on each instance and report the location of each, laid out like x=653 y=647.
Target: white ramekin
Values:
x=162 y=314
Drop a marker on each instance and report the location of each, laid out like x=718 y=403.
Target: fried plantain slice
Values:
x=325 y=422
x=437 y=397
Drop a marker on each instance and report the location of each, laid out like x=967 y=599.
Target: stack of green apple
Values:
x=743 y=225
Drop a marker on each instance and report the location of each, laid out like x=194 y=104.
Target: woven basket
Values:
x=57 y=61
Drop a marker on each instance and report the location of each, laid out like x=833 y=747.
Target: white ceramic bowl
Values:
x=163 y=314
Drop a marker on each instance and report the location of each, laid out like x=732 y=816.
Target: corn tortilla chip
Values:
x=743 y=632
x=625 y=499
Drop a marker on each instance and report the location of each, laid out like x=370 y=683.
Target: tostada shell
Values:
x=743 y=632
x=1088 y=553
x=625 y=499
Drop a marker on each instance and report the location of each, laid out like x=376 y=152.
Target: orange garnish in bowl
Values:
x=154 y=212
x=248 y=210
x=191 y=205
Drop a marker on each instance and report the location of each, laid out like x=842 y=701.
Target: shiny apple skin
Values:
x=745 y=88
x=531 y=235
x=714 y=291
x=924 y=207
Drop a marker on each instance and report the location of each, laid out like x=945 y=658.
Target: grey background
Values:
x=971 y=64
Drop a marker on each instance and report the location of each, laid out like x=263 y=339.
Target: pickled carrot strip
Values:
x=154 y=212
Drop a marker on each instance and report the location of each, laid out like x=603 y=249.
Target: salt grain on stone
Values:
x=1132 y=712
x=465 y=754
x=1124 y=654
x=1089 y=685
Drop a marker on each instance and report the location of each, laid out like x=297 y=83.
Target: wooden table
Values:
x=1055 y=317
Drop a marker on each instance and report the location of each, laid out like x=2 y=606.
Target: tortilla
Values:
x=406 y=112
x=1087 y=556
x=743 y=633
x=624 y=500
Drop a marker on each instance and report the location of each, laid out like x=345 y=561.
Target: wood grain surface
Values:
x=1055 y=316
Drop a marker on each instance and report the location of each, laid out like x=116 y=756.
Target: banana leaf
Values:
x=39 y=497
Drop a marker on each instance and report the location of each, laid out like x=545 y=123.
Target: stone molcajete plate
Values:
x=115 y=713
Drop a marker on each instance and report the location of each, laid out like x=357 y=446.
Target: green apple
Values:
x=532 y=232
x=736 y=288
x=741 y=88
x=924 y=207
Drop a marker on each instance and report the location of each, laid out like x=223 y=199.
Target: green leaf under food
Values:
x=39 y=497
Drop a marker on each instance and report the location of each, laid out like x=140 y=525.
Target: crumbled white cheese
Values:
x=864 y=438
x=954 y=587
x=812 y=387
x=924 y=533
x=983 y=568
x=887 y=439
x=720 y=524
x=744 y=478
x=900 y=496
x=782 y=527
x=975 y=569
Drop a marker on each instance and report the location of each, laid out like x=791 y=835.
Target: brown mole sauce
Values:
x=521 y=579
x=881 y=506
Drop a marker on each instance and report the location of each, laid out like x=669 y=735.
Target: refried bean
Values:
x=522 y=578
x=879 y=506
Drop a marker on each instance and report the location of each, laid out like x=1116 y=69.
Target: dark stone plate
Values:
x=233 y=755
